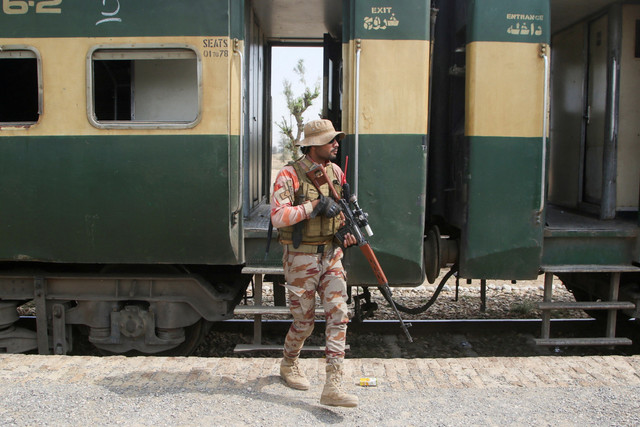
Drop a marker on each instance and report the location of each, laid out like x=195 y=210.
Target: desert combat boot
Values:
x=332 y=394
x=292 y=375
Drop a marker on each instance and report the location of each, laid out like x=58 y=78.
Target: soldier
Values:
x=307 y=220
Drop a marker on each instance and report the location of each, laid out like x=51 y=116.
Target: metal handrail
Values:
x=545 y=104
x=238 y=51
x=357 y=121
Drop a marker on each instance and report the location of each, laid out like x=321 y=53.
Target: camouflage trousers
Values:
x=307 y=274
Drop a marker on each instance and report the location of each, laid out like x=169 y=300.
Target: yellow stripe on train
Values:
x=504 y=89
x=394 y=86
x=65 y=85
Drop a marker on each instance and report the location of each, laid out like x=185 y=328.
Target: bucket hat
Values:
x=319 y=132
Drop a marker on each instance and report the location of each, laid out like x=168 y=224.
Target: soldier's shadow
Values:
x=155 y=383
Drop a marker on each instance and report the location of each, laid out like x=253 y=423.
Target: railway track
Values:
x=384 y=338
x=419 y=328
x=432 y=338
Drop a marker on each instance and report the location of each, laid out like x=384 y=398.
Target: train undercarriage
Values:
x=168 y=312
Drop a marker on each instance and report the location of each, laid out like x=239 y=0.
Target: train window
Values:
x=148 y=88
x=20 y=77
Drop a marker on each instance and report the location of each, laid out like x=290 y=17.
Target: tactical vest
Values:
x=318 y=230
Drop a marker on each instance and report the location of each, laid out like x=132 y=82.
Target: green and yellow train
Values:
x=493 y=137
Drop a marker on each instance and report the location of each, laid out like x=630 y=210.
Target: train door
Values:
x=503 y=231
x=332 y=77
x=594 y=127
x=628 y=146
x=596 y=111
x=270 y=28
x=384 y=51
x=594 y=173
x=254 y=141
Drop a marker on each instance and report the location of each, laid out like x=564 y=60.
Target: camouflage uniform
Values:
x=308 y=273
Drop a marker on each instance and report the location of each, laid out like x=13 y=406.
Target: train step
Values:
x=561 y=342
x=612 y=306
x=259 y=309
x=267 y=309
x=259 y=269
x=241 y=348
x=590 y=305
x=581 y=268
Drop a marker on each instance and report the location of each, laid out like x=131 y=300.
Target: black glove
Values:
x=327 y=207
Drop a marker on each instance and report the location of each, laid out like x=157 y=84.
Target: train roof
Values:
x=295 y=19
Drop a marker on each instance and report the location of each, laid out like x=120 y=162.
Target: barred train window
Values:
x=151 y=87
x=20 y=96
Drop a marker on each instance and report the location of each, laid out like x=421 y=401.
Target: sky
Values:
x=284 y=60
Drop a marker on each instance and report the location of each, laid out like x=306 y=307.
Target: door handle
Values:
x=587 y=116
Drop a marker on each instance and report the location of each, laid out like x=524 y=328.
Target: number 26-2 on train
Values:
x=497 y=138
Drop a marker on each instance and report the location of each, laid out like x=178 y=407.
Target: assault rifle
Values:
x=354 y=220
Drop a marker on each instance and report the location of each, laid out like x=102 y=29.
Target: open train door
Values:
x=595 y=131
x=596 y=111
x=505 y=131
x=332 y=81
x=385 y=84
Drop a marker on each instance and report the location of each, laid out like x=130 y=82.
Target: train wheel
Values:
x=194 y=336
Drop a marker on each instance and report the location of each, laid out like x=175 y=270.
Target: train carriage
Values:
x=119 y=157
x=492 y=137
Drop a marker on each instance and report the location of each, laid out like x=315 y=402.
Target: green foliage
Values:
x=297 y=105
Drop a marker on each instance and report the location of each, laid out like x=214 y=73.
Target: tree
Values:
x=297 y=105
